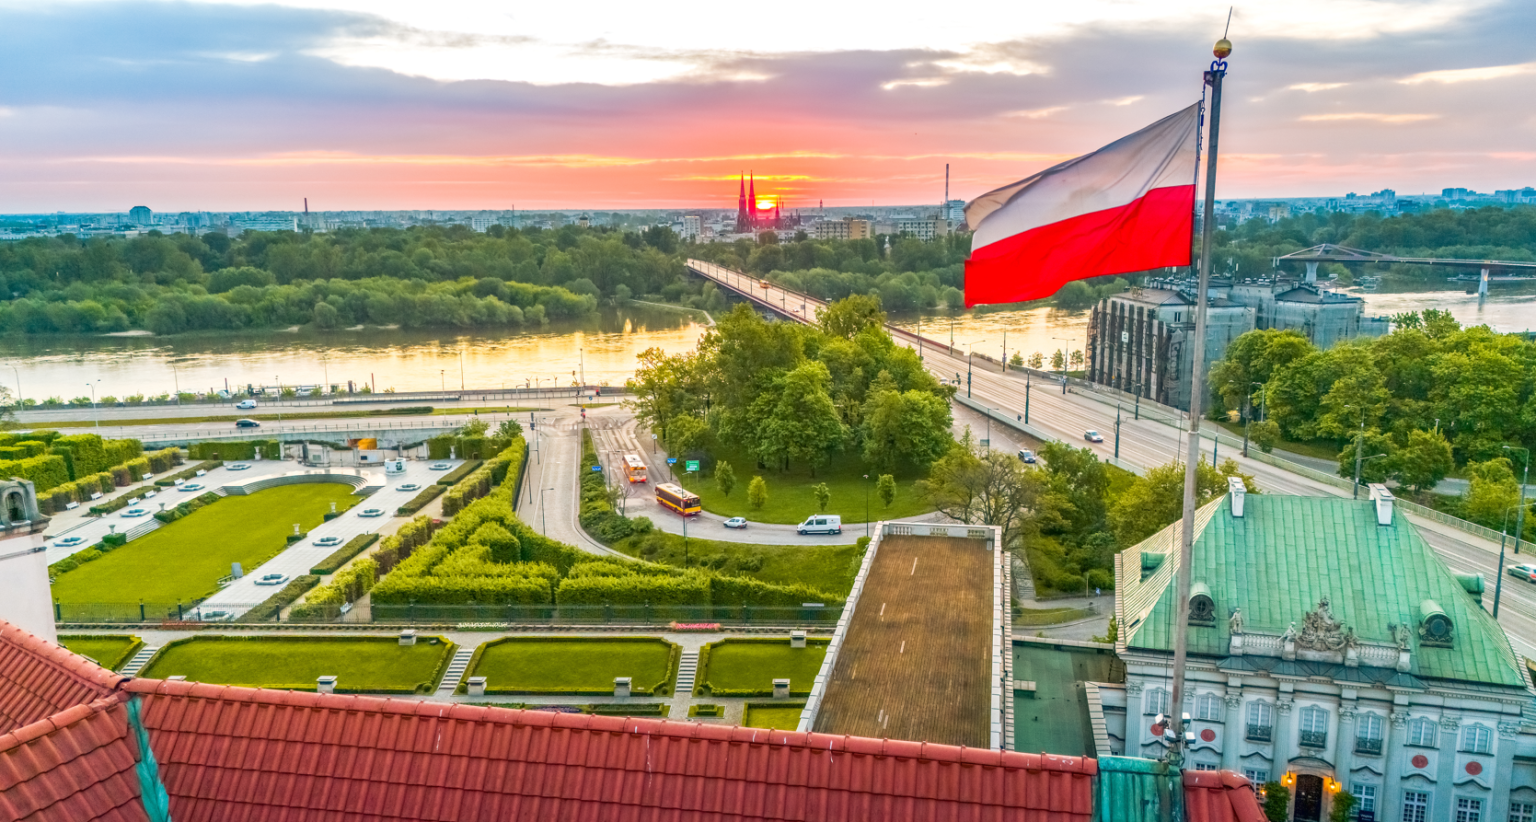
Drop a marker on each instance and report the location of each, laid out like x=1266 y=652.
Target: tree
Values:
x=1253 y=357
x=1078 y=477
x=1343 y=807
x=1058 y=360
x=1077 y=358
x=910 y=427
x=1017 y=360
x=1156 y=501
x=1424 y=461
x=1371 y=470
x=1277 y=802
x=1265 y=434
x=986 y=487
x=474 y=428
x=757 y=492
x=847 y=317
x=885 y=487
x=688 y=435
x=509 y=429
x=1036 y=360
x=823 y=495
x=804 y=425
x=725 y=478
x=1491 y=492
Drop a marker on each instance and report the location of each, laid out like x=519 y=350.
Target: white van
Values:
x=821 y=524
x=246 y=404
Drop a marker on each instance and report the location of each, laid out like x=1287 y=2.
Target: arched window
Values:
x=1261 y=721
x=1314 y=727
x=1476 y=739
x=1208 y=708
x=1157 y=701
x=1368 y=734
x=1423 y=733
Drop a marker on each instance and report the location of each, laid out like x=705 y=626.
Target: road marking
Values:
x=914 y=567
x=882 y=609
x=903 y=647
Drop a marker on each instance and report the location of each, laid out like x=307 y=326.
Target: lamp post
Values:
x=1064 y=354
x=968 y=370
x=543 y=513
x=1117 y=431
x=1026 y=399
x=1247 y=401
x=1359 y=450
x=866 y=506
x=1524 y=477
x=95 y=409
x=176 y=375
x=1498 y=585
x=442 y=379
x=461 y=369
x=325 y=362
x=18 y=386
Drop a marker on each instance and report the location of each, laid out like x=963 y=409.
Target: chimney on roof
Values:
x=1383 y=501
x=1239 y=492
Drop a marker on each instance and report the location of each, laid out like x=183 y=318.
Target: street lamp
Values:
x=176 y=375
x=1524 y=478
x=442 y=379
x=543 y=513
x=18 y=386
x=1498 y=586
x=1065 y=352
x=1247 y=401
x=95 y=409
x=1359 y=449
x=866 y=506
x=1117 y=431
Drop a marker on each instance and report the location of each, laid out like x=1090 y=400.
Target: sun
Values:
x=762 y=204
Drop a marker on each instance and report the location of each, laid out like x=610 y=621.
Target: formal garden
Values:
x=777 y=716
x=360 y=664
x=748 y=667
x=183 y=561
x=576 y=665
x=70 y=471
x=110 y=651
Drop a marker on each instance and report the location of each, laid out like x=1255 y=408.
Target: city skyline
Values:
x=217 y=107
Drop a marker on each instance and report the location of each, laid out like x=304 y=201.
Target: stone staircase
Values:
x=457 y=667
x=687 y=670
x=139 y=660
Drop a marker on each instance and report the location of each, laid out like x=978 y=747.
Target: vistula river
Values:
x=602 y=348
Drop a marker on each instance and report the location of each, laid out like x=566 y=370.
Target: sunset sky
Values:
x=462 y=104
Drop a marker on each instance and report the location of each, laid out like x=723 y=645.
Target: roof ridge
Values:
x=77 y=667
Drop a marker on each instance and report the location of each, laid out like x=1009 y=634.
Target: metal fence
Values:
x=473 y=615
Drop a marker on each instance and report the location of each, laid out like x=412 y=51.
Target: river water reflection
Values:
x=606 y=346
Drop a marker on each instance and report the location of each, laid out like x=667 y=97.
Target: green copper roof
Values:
x=1286 y=553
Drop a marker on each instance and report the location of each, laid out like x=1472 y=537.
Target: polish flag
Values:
x=1127 y=207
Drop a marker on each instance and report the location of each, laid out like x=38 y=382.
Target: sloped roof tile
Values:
x=76 y=766
x=39 y=679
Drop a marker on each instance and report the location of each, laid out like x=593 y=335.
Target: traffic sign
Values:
x=597 y=468
x=693 y=466
x=671 y=460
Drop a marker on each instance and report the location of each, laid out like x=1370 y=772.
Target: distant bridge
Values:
x=1330 y=253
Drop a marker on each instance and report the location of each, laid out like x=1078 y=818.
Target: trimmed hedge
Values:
x=270 y=610
x=166 y=482
x=121 y=501
x=46 y=472
x=420 y=501
x=85 y=453
x=348 y=586
x=354 y=546
x=453 y=477
x=182 y=509
x=448 y=446
x=57 y=500
x=236 y=450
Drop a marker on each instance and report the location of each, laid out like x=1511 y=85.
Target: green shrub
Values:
x=453 y=477
x=121 y=501
x=163 y=460
x=12 y=452
x=273 y=607
x=45 y=472
x=182 y=509
x=235 y=450
x=121 y=451
x=349 y=585
x=34 y=448
x=420 y=501
x=354 y=546
x=87 y=453
x=190 y=473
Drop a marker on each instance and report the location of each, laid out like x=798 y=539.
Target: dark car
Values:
x=1027 y=456
x=247 y=424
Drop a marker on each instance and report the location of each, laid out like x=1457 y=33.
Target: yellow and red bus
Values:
x=673 y=496
x=634 y=468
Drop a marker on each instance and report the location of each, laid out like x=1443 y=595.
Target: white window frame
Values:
x=1522 y=812
x=1365 y=796
x=1418 y=723
x=1419 y=811
x=1370 y=726
x=1477 y=739
x=1265 y=711
x=1208 y=708
x=1156 y=702
x=1258 y=777
x=1469 y=809
x=1313 y=715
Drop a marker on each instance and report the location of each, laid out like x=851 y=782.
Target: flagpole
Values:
x=1213 y=78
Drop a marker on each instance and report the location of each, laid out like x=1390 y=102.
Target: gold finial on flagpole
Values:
x=1222 y=49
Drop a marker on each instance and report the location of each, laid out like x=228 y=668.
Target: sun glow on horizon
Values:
x=764 y=203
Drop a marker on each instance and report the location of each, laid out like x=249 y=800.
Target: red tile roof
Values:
x=75 y=766
x=227 y=753
x=39 y=679
x=1219 y=796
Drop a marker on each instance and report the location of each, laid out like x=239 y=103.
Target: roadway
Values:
x=1143 y=443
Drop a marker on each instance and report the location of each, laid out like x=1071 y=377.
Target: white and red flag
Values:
x=1127 y=207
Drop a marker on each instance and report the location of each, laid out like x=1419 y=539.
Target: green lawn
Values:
x=362 y=664
x=575 y=666
x=183 y=561
x=790 y=499
x=109 y=650
x=745 y=667
x=1049 y=616
x=784 y=717
x=829 y=568
x=1318 y=449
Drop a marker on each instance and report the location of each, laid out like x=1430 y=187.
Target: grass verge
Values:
x=183 y=561
x=570 y=665
x=109 y=650
x=1049 y=616
x=362 y=664
x=778 y=716
x=748 y=667
x=829 y=568
x=791 y=497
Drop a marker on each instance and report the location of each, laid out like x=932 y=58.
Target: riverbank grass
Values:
x=361 y=664
x=183 y=561
x=792 y=495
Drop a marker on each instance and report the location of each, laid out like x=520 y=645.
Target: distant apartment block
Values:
x=693 y=226
x=846 y=229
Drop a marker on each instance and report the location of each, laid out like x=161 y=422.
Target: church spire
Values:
x=741 y=207
x=752 y=200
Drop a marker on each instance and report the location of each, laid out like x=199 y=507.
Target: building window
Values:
x=1368 y=732
x=1257 y=777
x=1423 y=733
x=1207 y=708
x=1206 y=766
x=1157 y=701
x=1476 y=739
x=1365 y=796
x=1261 y=720
x=1522 y=812
x=1469 y=809
x=1415 y=806
x=1314 y=727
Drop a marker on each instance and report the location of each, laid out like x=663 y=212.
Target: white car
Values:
x=245 y=405
x=821 y=524
x=736 y=522
x=410 y=486
x=238 y=466
x=191 y=486
x=372 y=512
x=328 y=542
x=1093 y=436
x=272 y=579
x=136 y=512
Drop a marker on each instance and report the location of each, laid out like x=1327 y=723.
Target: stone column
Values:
x=1504 y=762
x=1445 y=769
x=1388 y=804
x=1345 y=743
x=1283 y=736
x=1136 y=724
x=1232 y=739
